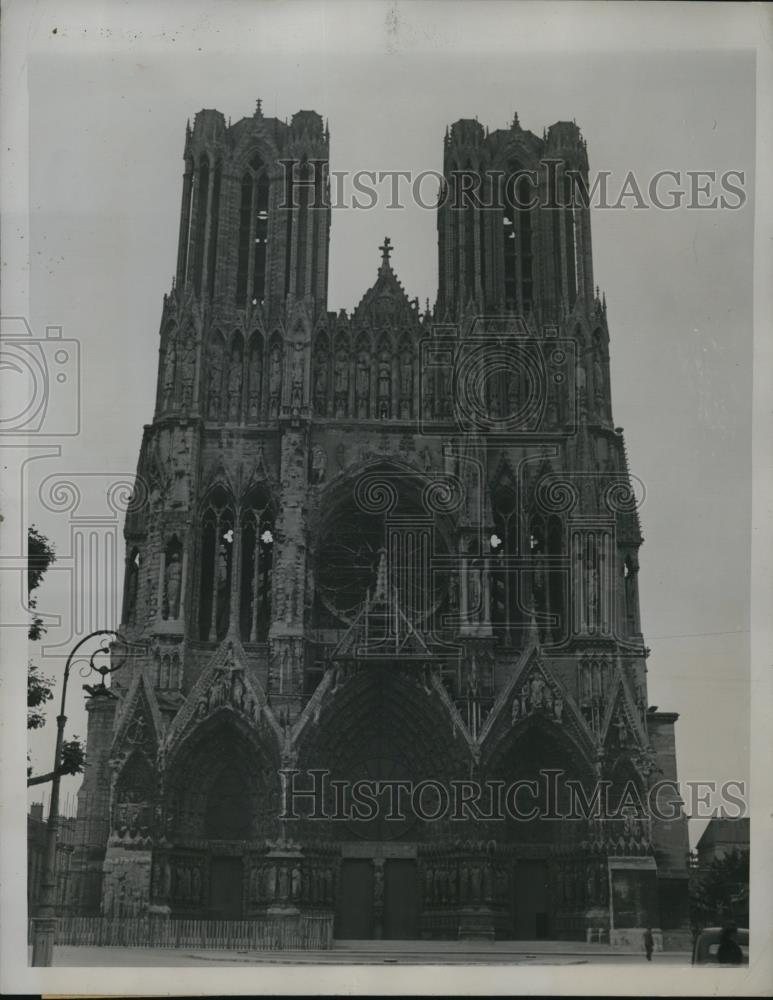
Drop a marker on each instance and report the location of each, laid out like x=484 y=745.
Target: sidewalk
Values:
x=373 y=953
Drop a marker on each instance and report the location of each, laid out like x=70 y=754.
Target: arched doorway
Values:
x=397 y=734
x=221 y=800
x=543 y=769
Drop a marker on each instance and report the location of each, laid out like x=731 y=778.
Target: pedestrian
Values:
x=649 y=943
x=729 y=951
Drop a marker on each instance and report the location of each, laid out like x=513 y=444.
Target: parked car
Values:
x=707 y=942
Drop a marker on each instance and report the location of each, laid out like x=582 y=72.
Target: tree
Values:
x=719 y=891
x=40 y=555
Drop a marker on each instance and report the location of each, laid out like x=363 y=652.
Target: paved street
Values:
x=371 y=953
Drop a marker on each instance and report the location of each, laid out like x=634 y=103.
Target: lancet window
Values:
x=236 y=566
x=253 y=234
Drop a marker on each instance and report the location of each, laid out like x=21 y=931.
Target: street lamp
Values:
x=44 y=925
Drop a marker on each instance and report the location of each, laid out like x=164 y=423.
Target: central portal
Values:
x=401 y=900
x=362 y=910
x=225 y=893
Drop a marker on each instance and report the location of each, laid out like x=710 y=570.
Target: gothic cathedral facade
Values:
x=395 y=546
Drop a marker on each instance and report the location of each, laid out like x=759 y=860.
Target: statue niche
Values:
x=384 y=384
x=170 y=370
x=255 y=379
x=362 y=383
x=275 y=379
x=131 y=587
x=217 y=539
x=235 y=380
x=215 y=365
x=134 y=797
x=341 y=384
x=406 y=381
x=170 y=609
x=256 y=566
x=188 y=370
x=320 y=385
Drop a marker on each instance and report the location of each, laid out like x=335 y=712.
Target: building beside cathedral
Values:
x=394 y=545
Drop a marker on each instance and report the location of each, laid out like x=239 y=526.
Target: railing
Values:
x=302 y=933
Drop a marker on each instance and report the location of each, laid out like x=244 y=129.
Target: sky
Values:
x=106 y=133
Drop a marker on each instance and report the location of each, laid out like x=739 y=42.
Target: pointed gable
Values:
x=386 y=302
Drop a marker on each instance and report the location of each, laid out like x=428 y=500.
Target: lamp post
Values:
x=44 y=925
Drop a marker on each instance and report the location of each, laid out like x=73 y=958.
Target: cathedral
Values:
x=391 y=550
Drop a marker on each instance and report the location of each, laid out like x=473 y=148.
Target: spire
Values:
x=259 y=108
x=516 y=124
x=386 y=250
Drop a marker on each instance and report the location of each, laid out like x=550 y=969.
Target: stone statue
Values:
x=235 y=385
x=536 y=689
x=488 y=883
x=295 y=882
x=318 y=464
x=271 y=882
x=283 y=883
x=188 y=370
x=437 y=885
x=474 y=591
x=296 y=381
x=580 y=379
x=452 y=886
x=238 y=691
x=166 y=879
x=453 y=592
x=515 y=712
x=132 y=584
x=173 y=581
x=320 y=383
x=558 y=708
x=598 y=382
x=341 y=383
x=475 y=885
x=185 y=882
x=170 y=366
x=215 y=364
x=222 y=586
x=275 y=379
x=108 y=899
x=196 y=885
x=255 y=381
x=445 y=390
x=464 y=884
x=362 y=385
x=406 y=376
x=328 y=883
x=378 y=884
x=384 y=379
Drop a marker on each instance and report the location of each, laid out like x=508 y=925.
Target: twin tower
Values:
x=392 y=543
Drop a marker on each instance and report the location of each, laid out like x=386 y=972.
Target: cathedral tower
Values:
x=391 y=544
